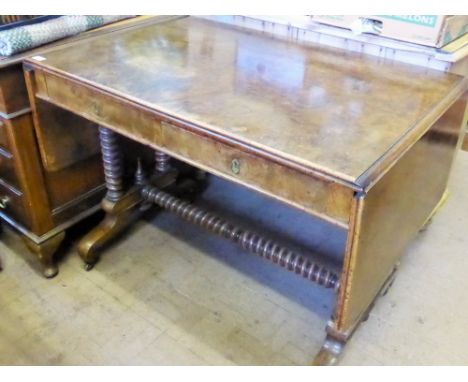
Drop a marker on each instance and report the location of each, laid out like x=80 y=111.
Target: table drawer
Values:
x=326 y=199
x=12 y=204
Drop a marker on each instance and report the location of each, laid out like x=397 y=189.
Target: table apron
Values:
x=327 y=199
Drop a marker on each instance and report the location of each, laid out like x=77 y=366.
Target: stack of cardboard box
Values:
x=429 y=30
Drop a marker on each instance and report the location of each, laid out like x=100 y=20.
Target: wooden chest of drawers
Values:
x=38 y=200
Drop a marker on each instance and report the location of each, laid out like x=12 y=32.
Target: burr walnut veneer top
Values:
x=338 y=113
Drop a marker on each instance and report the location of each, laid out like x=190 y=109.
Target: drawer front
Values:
x=7 y=169
x=7 y=160
x=12 y=204
x=30 y=201
x=13 y=92
x=327 y=199
x=60 y=149
x=4 y=145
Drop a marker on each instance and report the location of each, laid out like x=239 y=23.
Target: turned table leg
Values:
x=112 y=163
x=120 y=206
x=162 y=162
x=45 y=252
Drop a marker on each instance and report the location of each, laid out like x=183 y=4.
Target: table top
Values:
x=333 y=111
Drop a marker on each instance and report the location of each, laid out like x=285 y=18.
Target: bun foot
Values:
x=45 y=253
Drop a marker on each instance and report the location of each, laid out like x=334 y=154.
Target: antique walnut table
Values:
x=359 y=142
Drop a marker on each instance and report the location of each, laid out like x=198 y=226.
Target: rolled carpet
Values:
x=26 y=37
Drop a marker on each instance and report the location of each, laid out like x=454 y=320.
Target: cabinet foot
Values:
x=45 y=252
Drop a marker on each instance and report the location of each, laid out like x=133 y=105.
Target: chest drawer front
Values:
x=12 y=204
x=7 y=169
x=4 y=145
x=7 y=161
x=13 y=93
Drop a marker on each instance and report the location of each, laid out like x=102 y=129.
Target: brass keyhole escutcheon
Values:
x=96 y=108
x=235 y=166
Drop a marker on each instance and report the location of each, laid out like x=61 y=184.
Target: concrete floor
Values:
x=170 y=294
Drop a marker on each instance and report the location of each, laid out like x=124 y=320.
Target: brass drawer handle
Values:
x=4 y=202
x=235 y=166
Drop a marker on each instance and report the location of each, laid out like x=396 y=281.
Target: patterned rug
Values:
x=26 y=37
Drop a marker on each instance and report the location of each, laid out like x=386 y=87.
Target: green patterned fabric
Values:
x=19 y=40
x=26 y=37
x=94 y=21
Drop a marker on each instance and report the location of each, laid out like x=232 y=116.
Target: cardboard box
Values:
x=430 y=30
x=453 y=57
